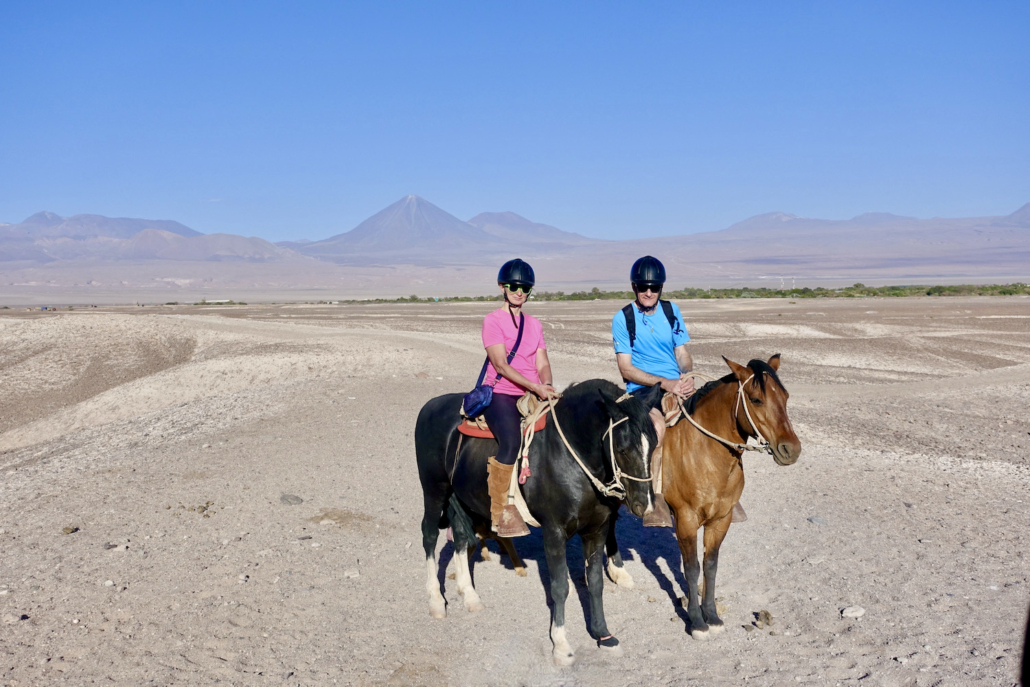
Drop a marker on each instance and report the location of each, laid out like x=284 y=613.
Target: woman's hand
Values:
x=543 y=391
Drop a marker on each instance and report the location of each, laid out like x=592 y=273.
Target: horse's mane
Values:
x=577 y=389
x=691 y=403
x=586 y=391
x=760 y=368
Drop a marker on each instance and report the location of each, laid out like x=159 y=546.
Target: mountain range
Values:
x=415 y=245
x=46 y=238
x=414 y=231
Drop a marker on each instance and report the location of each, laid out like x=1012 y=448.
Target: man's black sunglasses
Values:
x=644 y=288
x=519 y=288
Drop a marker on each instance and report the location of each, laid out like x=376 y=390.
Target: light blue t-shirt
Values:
x=655 y=340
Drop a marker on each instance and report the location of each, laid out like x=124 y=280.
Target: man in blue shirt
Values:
x=650 y=347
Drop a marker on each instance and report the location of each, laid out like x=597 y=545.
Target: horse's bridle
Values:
x=616 y=489
x=763 y=445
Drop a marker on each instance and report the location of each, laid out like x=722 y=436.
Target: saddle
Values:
x=671 y=409
x=477 y=427
x=529 y=407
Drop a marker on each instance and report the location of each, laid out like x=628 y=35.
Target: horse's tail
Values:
x=461 y=522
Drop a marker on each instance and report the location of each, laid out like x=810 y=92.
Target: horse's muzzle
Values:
x=787 y=452
x=640 y=509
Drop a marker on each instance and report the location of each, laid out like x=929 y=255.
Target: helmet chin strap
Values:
x=640 y=305
x=509 y=305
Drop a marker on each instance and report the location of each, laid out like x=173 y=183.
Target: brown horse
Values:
x=704 y=477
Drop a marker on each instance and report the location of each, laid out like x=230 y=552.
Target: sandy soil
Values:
x=179 y=444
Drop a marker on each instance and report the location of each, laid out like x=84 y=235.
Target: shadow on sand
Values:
x=648 y=545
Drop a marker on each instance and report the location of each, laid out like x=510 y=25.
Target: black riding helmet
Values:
x=517 y=272
x=648 y=271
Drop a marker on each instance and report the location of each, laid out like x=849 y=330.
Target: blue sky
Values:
x=293 y=120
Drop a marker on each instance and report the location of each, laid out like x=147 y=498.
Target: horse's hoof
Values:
x=620 y=577
x=521 y=572
x=471 y=600
x=610 y=646
x=716 y=628
x=564 y=658
x=438 y=611
x=562 y=650
x=700 y=635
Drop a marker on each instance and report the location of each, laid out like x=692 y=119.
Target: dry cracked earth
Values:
x=228 y=495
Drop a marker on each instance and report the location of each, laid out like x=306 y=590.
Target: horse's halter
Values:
x=616 y=489
x=617 y=474
x=763 y=444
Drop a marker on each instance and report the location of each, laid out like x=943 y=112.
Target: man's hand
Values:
x=679 y=387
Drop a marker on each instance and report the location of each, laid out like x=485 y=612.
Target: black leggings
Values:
x=505 y=421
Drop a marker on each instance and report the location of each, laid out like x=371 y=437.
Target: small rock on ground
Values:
x=853 y=612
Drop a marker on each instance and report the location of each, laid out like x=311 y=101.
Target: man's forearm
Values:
x=684 y=359
x=640 y=377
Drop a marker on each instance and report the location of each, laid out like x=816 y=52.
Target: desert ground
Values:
x=196 y=495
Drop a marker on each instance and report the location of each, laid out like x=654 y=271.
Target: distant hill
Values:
x=1019 y=218
x=49 y=225
x=48 y=238
x=154 y=244
x=870 y=244
x=293 y=245
x=412 y=230
x=515 y=229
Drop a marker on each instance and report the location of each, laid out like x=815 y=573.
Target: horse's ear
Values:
x=741 y=372
x=610 y=404
x=774 y=362
x=653 y=399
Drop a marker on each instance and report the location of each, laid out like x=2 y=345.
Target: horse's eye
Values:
x=756 y=401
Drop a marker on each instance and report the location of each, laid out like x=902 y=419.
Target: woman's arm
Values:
x=543 y=367
x=499 y=359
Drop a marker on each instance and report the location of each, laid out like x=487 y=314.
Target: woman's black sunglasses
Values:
x=519 y=288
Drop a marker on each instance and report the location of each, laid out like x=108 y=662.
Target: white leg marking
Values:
x=620 y=576
x=437 y=606
x=563 y=654
x=645 y=451
x=464 y=580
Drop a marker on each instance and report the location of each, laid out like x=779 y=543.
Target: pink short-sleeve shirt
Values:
x=498 y=328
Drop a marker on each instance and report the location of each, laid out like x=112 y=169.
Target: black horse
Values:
x=559 y=494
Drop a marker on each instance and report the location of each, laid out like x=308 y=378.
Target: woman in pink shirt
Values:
x=529 y=370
